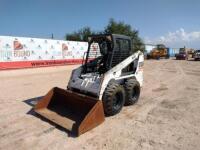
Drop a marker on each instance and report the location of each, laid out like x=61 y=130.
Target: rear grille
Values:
x=119 y=57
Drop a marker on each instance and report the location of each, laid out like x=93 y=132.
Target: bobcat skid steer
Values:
x=109 y=78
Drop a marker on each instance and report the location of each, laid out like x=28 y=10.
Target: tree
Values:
x=114 y=27
x=75 y=36
x=81 y=35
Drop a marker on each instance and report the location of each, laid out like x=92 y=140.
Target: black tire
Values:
x=132 y=88
x=113 y=99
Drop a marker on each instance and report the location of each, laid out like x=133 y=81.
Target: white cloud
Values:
x=179 y=38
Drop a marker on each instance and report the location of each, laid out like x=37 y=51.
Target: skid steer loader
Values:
x=109 y=78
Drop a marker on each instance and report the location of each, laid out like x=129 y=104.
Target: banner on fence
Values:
x=21 y=52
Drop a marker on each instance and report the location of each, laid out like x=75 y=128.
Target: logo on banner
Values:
x=18 y=50
x=64 y=47
x=17 y=45
x=65 y=51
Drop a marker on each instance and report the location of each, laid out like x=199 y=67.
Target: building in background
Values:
x=149 y=47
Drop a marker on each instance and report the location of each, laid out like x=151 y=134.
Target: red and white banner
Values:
x=20 y=52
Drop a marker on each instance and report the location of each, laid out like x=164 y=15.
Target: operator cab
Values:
x=112 y=49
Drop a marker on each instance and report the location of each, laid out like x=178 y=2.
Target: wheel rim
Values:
x=135 y=93
x=117 y=100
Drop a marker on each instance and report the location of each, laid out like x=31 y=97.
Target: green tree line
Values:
x=113 y=27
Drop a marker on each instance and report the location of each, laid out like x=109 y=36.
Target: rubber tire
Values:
x=132 y=85
x=109 y=97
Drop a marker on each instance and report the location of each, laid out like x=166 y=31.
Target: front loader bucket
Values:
x=70 y=110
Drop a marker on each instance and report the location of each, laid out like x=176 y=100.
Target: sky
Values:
x=175 y=23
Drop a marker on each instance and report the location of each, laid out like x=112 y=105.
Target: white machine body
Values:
x=95 y=84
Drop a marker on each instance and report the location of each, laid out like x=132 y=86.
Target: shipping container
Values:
x=173 y=51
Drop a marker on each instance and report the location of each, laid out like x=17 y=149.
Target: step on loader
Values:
x=110 y=77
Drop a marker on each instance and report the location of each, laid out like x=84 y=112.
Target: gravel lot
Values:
x=167 y=116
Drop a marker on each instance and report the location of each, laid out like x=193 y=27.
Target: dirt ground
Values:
x=167 y=116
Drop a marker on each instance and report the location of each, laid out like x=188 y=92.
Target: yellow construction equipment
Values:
x=159 y=52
